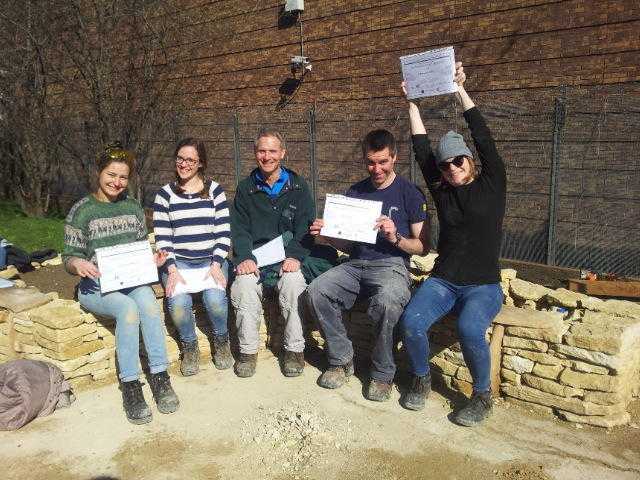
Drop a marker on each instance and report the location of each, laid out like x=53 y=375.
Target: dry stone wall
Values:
x=557 y=351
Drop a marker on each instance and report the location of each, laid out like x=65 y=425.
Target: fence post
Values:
x=559 y=116
x=312 y=157
x=236 y=147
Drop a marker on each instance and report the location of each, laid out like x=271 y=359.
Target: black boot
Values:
x=190 y=364
x=134 y=404
x=479 y=407
x=292 y=363
x=163 y=393
x=419 y=390
x=222 y=358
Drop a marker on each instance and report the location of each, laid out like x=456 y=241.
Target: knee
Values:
x=389 y=301
x=243 y=291
x=132 y=317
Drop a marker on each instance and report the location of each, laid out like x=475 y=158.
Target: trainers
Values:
x=419 y=390
x=190 y=364
x=222 y=358
x=166 y=399
x=336 y=376
x=292 y=363
x=135 y=406
x=245 y=366
x=378 y=391
x=475 y=411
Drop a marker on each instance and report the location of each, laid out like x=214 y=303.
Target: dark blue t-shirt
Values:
x=402 y=202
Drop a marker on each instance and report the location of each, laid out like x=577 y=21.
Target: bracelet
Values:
x=398 y=238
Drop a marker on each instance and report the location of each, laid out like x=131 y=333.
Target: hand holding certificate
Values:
x=127 y=265
x=351 y=218
x=195 y=280
x=430 y=73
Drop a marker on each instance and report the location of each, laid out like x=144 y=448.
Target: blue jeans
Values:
x=475 y=305
x=214 y=300
x=133 y=309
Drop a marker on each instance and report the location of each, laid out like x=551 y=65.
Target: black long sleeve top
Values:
x=470 y=215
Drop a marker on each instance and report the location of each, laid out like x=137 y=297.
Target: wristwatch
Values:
x=398 y=238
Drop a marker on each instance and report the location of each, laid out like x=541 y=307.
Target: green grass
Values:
x=28 y=233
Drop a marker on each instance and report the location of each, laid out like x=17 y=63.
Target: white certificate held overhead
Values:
x=126 y=265
x=196 y=280
x=429 y=73
x=350 y=218
x=270 y=253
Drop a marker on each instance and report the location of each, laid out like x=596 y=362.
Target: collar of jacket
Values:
x=292 y=183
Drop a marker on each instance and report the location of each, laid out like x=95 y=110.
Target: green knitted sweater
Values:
x=92 y=224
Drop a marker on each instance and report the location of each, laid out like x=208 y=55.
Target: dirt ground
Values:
x=272 y=427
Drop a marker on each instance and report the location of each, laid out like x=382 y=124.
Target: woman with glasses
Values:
x=470 y=203
x=106 y=218
x=191 y=224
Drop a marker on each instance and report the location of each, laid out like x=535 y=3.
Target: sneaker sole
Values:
x=140 y=421
x=292 y=373
x=168 y=409
x=412 y=406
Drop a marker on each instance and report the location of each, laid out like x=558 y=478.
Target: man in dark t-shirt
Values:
x=377 y=272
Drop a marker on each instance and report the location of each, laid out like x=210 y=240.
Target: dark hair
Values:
x=202 y=157
x=377 y=140
x=112 y=153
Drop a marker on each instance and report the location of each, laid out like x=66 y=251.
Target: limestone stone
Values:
x=22 y=328
x=517 y=364
x=585 y=367
x=423 y=263
x=462 y=386
x=529 y=305
x=508 y=274
x=608 y=398
x=597 y=358
x=22 y=319
x=609 y=335
x=21 y=299
x=20 y=283
x=9 y=272
x=53 y=261
x=25 y=348
x=104 y=332
x=525 y=344
x=510 y=376
x=71 y=364
x=73 y=352
x=590 y=381
x=526 y=290
x=552 y=334
x=518 y=317
x=100 y=355
x=108 y=341
x=550 y=386
x=103 y=374
x=532 y=407
x=463 y=373
x=539 y=357
x=66 y=335
x=444 y=366
x=57 y=315
x=504 y=286
x=24 y=338
x=90 y=337
x=592 y=303
x=87 y=369
x=621 y=308
x=547 y=371
x=89 y=318
x=52 y=296
x=508 y=301
x=4 y=315
x=609 y=421
x=564 y=298
x=454 y=357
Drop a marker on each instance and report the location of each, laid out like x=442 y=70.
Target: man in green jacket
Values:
x=272 y=201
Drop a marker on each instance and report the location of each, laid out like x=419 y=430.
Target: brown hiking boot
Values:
x=378 y=391
x=190 y=364
x=245 y=366
x=336 y=376
x=222 y=358
x=292 y=363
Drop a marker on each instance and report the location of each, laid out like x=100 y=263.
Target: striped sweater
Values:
x=189 y=227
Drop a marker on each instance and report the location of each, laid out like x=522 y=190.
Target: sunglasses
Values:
x=457 y=161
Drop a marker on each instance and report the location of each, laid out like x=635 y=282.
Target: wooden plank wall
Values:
x=232 y=59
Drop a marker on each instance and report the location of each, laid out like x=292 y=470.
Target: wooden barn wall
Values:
x=521 y=57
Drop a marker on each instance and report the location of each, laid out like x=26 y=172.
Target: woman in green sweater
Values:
x=105 y=218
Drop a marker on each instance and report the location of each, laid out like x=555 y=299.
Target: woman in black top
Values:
x=470 y=202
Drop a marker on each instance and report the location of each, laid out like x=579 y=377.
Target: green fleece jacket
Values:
x=256 y=218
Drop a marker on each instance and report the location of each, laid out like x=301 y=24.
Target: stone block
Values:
x=579 y=366
x=547 y=371
x=26 y=348
x=462 y=386
x=524 y=344
x=444 y=366
x=454 y=357
x=103 y=375
x=423 y=263
x=66 y=335
x=609 y=421
x=73 y=352
x=508 y=274
x=57 y=346
x=23 y=329
x=510 y=376
x=596 y=358
x=100 y=355
x=463 y=373
x=524 y=290
x=4 y=315
x=552 y=334
x=518 y=317
x=608 y=398
x=71 y=364
x=609 y=335
x=590 y=381
x=517 y=364
x=87 y=369
x=24 y=338
x=591 y=303
x=90 y=337
x=531 y=407
x=549 y=386
x=21 y=299
x=58 y=315
x=564 y=298
x=104 y=332
x=622 y=308
x=9 y=272
x=108 y=342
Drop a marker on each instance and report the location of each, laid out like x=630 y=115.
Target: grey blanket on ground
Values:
x=30 y=389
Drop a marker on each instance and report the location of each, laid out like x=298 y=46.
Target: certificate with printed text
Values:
x=351 y=218
x=195 y=280
x=127 y=265
x=430 y=73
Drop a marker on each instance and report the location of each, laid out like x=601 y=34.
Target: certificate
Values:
x=270 y=253
x=351 y=218
x=196 y=280
x=126 y=265
x=429 y=73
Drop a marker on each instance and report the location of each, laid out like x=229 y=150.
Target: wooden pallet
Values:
x=606 y=288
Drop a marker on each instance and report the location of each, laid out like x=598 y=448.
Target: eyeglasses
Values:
x=188 y=161
x=457 y=161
